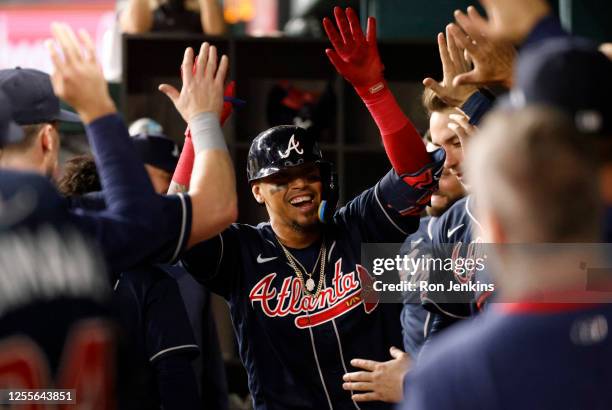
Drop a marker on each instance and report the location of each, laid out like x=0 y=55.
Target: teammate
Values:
x=415 y=320
x=539 y=69
x=124 y=229
x=160 y=155
x=79 y=176
x=384 y=381
x=294 y=284
x=152 y=311
x=68 y=294
x=527 y=354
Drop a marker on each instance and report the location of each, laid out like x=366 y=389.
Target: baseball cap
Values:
x=10 y=132
x=570 y=74
x=157 y=150
x=32 y=98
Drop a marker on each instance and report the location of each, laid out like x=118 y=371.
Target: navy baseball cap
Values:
x=570 y=74
x=157 y=150
x=10 y=132
x=32 y=98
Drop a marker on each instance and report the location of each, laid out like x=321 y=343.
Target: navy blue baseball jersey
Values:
x=151 y=310
x=55 y=328
x=525 y=358
x=415 y=319
x=296 y=348
x=123 y=228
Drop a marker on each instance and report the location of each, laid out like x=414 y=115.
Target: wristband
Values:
x=206 y=133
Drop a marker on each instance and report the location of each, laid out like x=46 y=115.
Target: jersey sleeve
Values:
x=374 y=214
x=478 y=105
x=214 y=262
x=126 y=242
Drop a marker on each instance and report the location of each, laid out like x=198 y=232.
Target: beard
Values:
x=311 y=225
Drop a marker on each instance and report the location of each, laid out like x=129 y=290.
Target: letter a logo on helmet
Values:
x=293 y=145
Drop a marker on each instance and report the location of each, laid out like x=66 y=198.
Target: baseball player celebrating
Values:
x=294 y=284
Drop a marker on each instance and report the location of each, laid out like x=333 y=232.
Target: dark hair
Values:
x=432 y=103
x=80 y=176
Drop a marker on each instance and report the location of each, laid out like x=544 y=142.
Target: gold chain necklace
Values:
x=309 y=285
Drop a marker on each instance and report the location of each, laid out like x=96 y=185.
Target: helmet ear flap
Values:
x=329 y=196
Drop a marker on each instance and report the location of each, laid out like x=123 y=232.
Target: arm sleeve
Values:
x=548 y=27
x=125 y=243
x=403 y=143
x=215 y=262
x=137 y=224
x=125 y=183
x=94 y=201
x=182 y=172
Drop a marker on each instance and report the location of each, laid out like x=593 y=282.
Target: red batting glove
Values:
x=355 y=56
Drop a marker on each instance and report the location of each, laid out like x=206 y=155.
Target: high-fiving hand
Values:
x=202 y=89
x=77 y=77
x=355 y=55
x=454 y=64
x=493 y=59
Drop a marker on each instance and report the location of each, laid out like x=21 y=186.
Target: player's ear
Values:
x=49 y=138
x=256 y=190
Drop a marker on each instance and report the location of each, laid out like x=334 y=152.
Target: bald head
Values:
x=533 y=179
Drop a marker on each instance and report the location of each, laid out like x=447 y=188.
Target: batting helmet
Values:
x=287 y=146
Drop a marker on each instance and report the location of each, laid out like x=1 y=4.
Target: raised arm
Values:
x=211 y=15
x=212 y=186
x=136 y=17
x=355 y=57
x=182 y=172
x=137 y=225
x=77 y=78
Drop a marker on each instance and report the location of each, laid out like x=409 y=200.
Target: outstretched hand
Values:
x=355 y=55
x=493 y=59
x=202 y=89
x=77 y=77
x=454 y=65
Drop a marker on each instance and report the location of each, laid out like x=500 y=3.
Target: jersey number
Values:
x=87 y=365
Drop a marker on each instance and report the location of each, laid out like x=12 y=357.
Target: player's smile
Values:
x=304 y=201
